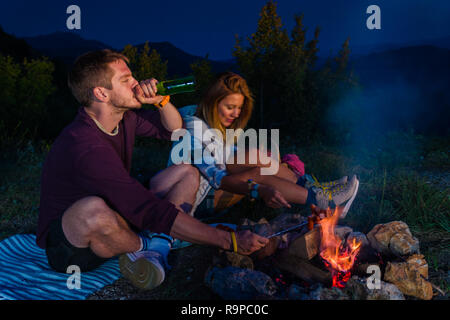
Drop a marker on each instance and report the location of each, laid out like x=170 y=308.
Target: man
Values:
x=91 y=209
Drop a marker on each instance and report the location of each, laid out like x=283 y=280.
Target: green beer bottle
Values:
x=170 y=87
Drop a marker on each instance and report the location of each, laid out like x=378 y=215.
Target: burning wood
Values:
x=325 y=258
x=302 y=268
x=306 y=246
x=339 y=254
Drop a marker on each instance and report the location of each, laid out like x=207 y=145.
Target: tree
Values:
x=203 y=75
x=144 y=63
x=24 y=91
x=283 y=75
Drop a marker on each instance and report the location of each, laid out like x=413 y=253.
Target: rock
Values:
x=387 y=291
x=410 y=277
x=342 y=231
x=359 y=237
x=263 y=229
x=239 y=261
x=366 y=253
x=393 y=237
x=240 y=284
x=247 y=222
x=285 y=220
x=296 y=292
x=404 y=244
x=356 y=288
x=318 y=292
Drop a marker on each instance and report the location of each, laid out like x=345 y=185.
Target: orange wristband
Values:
x=163 y=102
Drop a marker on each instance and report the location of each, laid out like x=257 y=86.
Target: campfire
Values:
x=338 y=254
x=323 y=260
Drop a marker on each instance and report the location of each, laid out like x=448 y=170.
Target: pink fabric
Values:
x=294 y=163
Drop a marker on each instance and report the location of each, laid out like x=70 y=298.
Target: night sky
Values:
x=208 y=26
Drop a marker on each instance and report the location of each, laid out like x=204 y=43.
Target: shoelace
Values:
x=330 y=192
x=327 y=185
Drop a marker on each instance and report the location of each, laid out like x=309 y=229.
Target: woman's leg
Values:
x=283 y=171
x=290 y=190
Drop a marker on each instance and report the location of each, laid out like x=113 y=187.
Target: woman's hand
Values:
x=272 y=197
x=249 y=242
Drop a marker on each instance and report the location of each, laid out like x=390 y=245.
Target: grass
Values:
x=20 y=172
x=392 y=187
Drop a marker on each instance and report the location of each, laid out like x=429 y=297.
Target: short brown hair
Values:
x=91 y=70
x=225 y=84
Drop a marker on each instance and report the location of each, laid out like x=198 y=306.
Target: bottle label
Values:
x=173 y=86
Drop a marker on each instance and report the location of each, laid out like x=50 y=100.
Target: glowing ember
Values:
x=280 y=280
x=339 y=254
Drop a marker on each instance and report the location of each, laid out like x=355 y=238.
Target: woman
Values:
x=228 y=104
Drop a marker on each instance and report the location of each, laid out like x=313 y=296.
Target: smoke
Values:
x=381 y=121
x=378 y=109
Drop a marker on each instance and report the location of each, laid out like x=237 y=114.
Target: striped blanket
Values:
x=26 y=275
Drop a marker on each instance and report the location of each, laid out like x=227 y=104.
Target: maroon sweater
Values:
x=84 y=161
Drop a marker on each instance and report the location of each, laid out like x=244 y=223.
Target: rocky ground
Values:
x=183 y=281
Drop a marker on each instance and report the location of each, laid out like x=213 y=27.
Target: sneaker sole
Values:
x=349 y=202
x=142 y=273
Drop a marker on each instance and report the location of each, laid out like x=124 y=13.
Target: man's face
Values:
x=122 y=93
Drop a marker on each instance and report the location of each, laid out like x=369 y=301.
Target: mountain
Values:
x=423 y=65
x=17 y=48
x=66 y=46
x=179 y=61
x=360 y=50
x=407 y=87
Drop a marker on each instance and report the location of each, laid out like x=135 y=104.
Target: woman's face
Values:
x=229 y=108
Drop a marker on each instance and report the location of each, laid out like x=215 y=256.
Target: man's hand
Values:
x=272 y=197
x=249 y=242
x=146 y=92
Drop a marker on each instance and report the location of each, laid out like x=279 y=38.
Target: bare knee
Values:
x=97 y=216
x=191 y=174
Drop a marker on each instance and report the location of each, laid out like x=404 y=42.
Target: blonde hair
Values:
x=225 y=84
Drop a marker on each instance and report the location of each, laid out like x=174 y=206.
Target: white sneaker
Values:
x=144 y=269
x=339 y=195
x=312 y=182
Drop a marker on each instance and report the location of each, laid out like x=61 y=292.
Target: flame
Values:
x=340 y=254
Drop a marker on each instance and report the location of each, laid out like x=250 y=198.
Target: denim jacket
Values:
x=212 y=171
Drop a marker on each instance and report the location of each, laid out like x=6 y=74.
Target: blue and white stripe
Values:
x=26 y=275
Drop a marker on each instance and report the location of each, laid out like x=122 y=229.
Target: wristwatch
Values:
x=253 y=188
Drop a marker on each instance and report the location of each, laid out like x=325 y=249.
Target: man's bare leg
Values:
x=90 y=222
x=177 y=184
